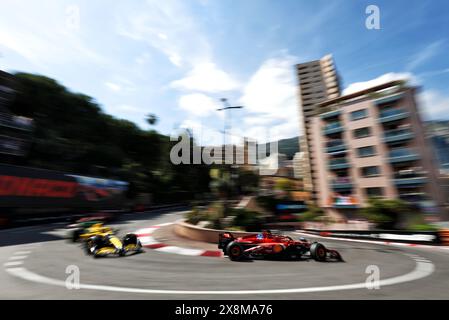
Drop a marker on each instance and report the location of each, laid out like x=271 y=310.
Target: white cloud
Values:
x=113 y=86
x=198 y=104
x=271 y=95
x=206 y=77
x=434 y=105
x=391 y=76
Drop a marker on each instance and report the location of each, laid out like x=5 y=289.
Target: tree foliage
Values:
x=385 y=212
x=73 y=134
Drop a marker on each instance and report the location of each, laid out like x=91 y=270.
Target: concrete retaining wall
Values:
x=189 y=231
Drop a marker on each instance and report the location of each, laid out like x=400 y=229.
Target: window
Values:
x=359 y=114
x=370 y=171
x=362 y=132
x=366 y=151
x=374 y=192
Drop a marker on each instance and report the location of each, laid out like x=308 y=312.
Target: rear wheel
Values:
x=318 y=251
x=235 y=251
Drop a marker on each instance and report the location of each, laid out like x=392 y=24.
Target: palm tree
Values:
x=151 y=119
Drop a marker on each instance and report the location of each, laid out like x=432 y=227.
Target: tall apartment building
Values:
x=298 y=165
x=372 y=143
x=318 y=82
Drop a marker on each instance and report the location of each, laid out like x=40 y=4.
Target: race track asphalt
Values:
x=34 y=262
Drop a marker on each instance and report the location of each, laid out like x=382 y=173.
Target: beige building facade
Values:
x=372 y=144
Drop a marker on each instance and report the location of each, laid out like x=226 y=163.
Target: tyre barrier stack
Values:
x=444 y=237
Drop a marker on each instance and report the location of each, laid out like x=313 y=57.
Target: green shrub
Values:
x=248 y=220
x=422 y=227
x=196 y=216
x=385 y=212
x=268 y=203
x=313 y=213
x=418 y=223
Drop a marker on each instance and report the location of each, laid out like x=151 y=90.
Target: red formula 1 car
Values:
x=268 y=244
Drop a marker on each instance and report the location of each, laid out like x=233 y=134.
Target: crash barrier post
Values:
x=444 y=237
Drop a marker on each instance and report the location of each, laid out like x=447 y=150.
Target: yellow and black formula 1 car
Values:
x=86 y=230
x=107 y=243
x=100 y=240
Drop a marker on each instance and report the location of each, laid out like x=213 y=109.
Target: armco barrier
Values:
x=444 y=237
x=418 y=237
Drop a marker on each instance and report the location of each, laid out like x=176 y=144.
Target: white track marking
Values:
x=17 y=257
x=22 y=252
x=164 y=224
x=145 y=231
x=13 y=263
x=422 y=270
x=179 y=250
x=145 y=241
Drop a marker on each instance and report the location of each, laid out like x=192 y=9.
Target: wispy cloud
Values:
x=167 y=26
x=425 y=54
x=41 y=34
x=120 y=84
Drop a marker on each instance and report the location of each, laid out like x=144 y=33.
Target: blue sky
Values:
x=178 y=58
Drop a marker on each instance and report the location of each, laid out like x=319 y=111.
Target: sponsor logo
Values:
x=29 y=187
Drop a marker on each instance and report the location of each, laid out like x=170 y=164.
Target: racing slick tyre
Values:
x=92 y=245
x=131 y=238
x=234 y=251
x=318 y=252
x=76 y=235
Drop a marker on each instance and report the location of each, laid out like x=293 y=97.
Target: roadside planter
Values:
x=193 y=232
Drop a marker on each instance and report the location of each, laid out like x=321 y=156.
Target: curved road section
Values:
x=38 y=263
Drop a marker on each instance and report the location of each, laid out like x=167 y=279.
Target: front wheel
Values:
x=318 y=251
x=235 y=251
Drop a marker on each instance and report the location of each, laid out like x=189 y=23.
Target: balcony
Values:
x=397 y=135
x=409 y=178
x=402 y=155
x=332 y=128
x=330 y=114
x=335 y=164
x=335 y=146
x=341 y=183
x=389 y=99
x=392 y=115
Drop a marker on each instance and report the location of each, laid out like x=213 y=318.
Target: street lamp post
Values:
x=226 y=107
